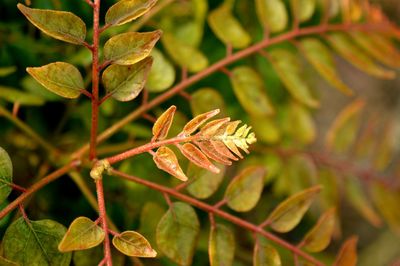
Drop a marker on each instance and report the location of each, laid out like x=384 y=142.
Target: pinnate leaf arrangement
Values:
x=126 y=64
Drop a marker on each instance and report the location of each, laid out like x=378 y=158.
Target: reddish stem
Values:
x=227 y=216
x=103 y=216
x=15 y=109
x=95 y=79
x=16 y=187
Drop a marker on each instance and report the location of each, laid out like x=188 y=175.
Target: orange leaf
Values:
x=348 y=254
x=163 y=124
x=199 y=120
x=207 y=148
x=195 y=155
x=212 y=127
x=166 y=160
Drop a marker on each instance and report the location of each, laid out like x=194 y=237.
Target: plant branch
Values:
x=35 y=187
x=227 y=216
x=384 y=27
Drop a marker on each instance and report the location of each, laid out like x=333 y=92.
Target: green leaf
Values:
x=61 y=78
x=35 y=243
x=250 y=90
x=348 y=253
x=319 y=55
x=204 y=183
x=304 y=9
x=60 y=25
x=272 y=14
x=5 y=71
x=357 y=198
x=16 y=96
x=6 y=174
x=380 y=47
x=265 y=255
x=150 y=215
x=30 y=84
x=133 y=244
x=386 y=148
x=206 y=99
x=5 y=262
x=125 y=11
x=185 y=55
x=319 y=237
x=126 y=82
x=177 y=233
x=83 y=233
x=162 y=74
x=290 y=212
x=288 y=67
x=344 y=129
x=95 y=255
x=356 y=56
x=221 y=247
x=386 y=200
x=228 y=28
x=245 y=189
x=131 y=47
x=267 y=131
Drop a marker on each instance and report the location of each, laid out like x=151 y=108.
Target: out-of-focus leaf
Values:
x=30 y=84
x=186 y=56
x=204 y=183
x=126 y=82
x=5 y=71
x=35 y=243
x=150 y=215
x=378 y=46
x=319 y=237
x=267 y=131
x=290 y=212
x=302 y=173
x=163 y=124
x=6 y=175
x=131 y=47
x=228 y=28
x=356 y=56
x=206 y=99
x=83 y=233
x=303 y=9
x=344 y=129
x=265 y=255
x=177 y=233
x=162 y=74
x=60 y=25
x=272 y=14
x=319 y=55
x=386 y=148
x=245 y=189
x=387 y=200
x=299 y=124
x=288 y=67
x=357 y=198
x=249 y=89
x=6 y=262
x=198 y=121
x=348 y=253
x=133 y=244
x=221 y=247
x=95 y=255
x=125 y=11
x=330 y=182
x=166 y=160
x=196 y=156
x=16 y=96
x=61 y=78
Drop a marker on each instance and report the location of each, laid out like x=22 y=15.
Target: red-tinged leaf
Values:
x=348 y=253
x=223 y=150
x=232 y=146
x=245 y=189
x=265 y=255
x=133 y=244
x=198 y=121
x=127 y=10
x=319 y=237
x=195 y=155
x=289 y=213
x=209 y=150
x=221 y=248
x=166 y=160
x=163 y=124
x=211 y=128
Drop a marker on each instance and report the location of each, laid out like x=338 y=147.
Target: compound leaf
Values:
x=245 y=189
x=83 y=233
x=177 y=233
x=60 y=25
x=60 y=78
x=133 y=244
x=16 y=96
x=126 y=82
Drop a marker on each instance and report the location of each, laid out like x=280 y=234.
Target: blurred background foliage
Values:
x=292 y=143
